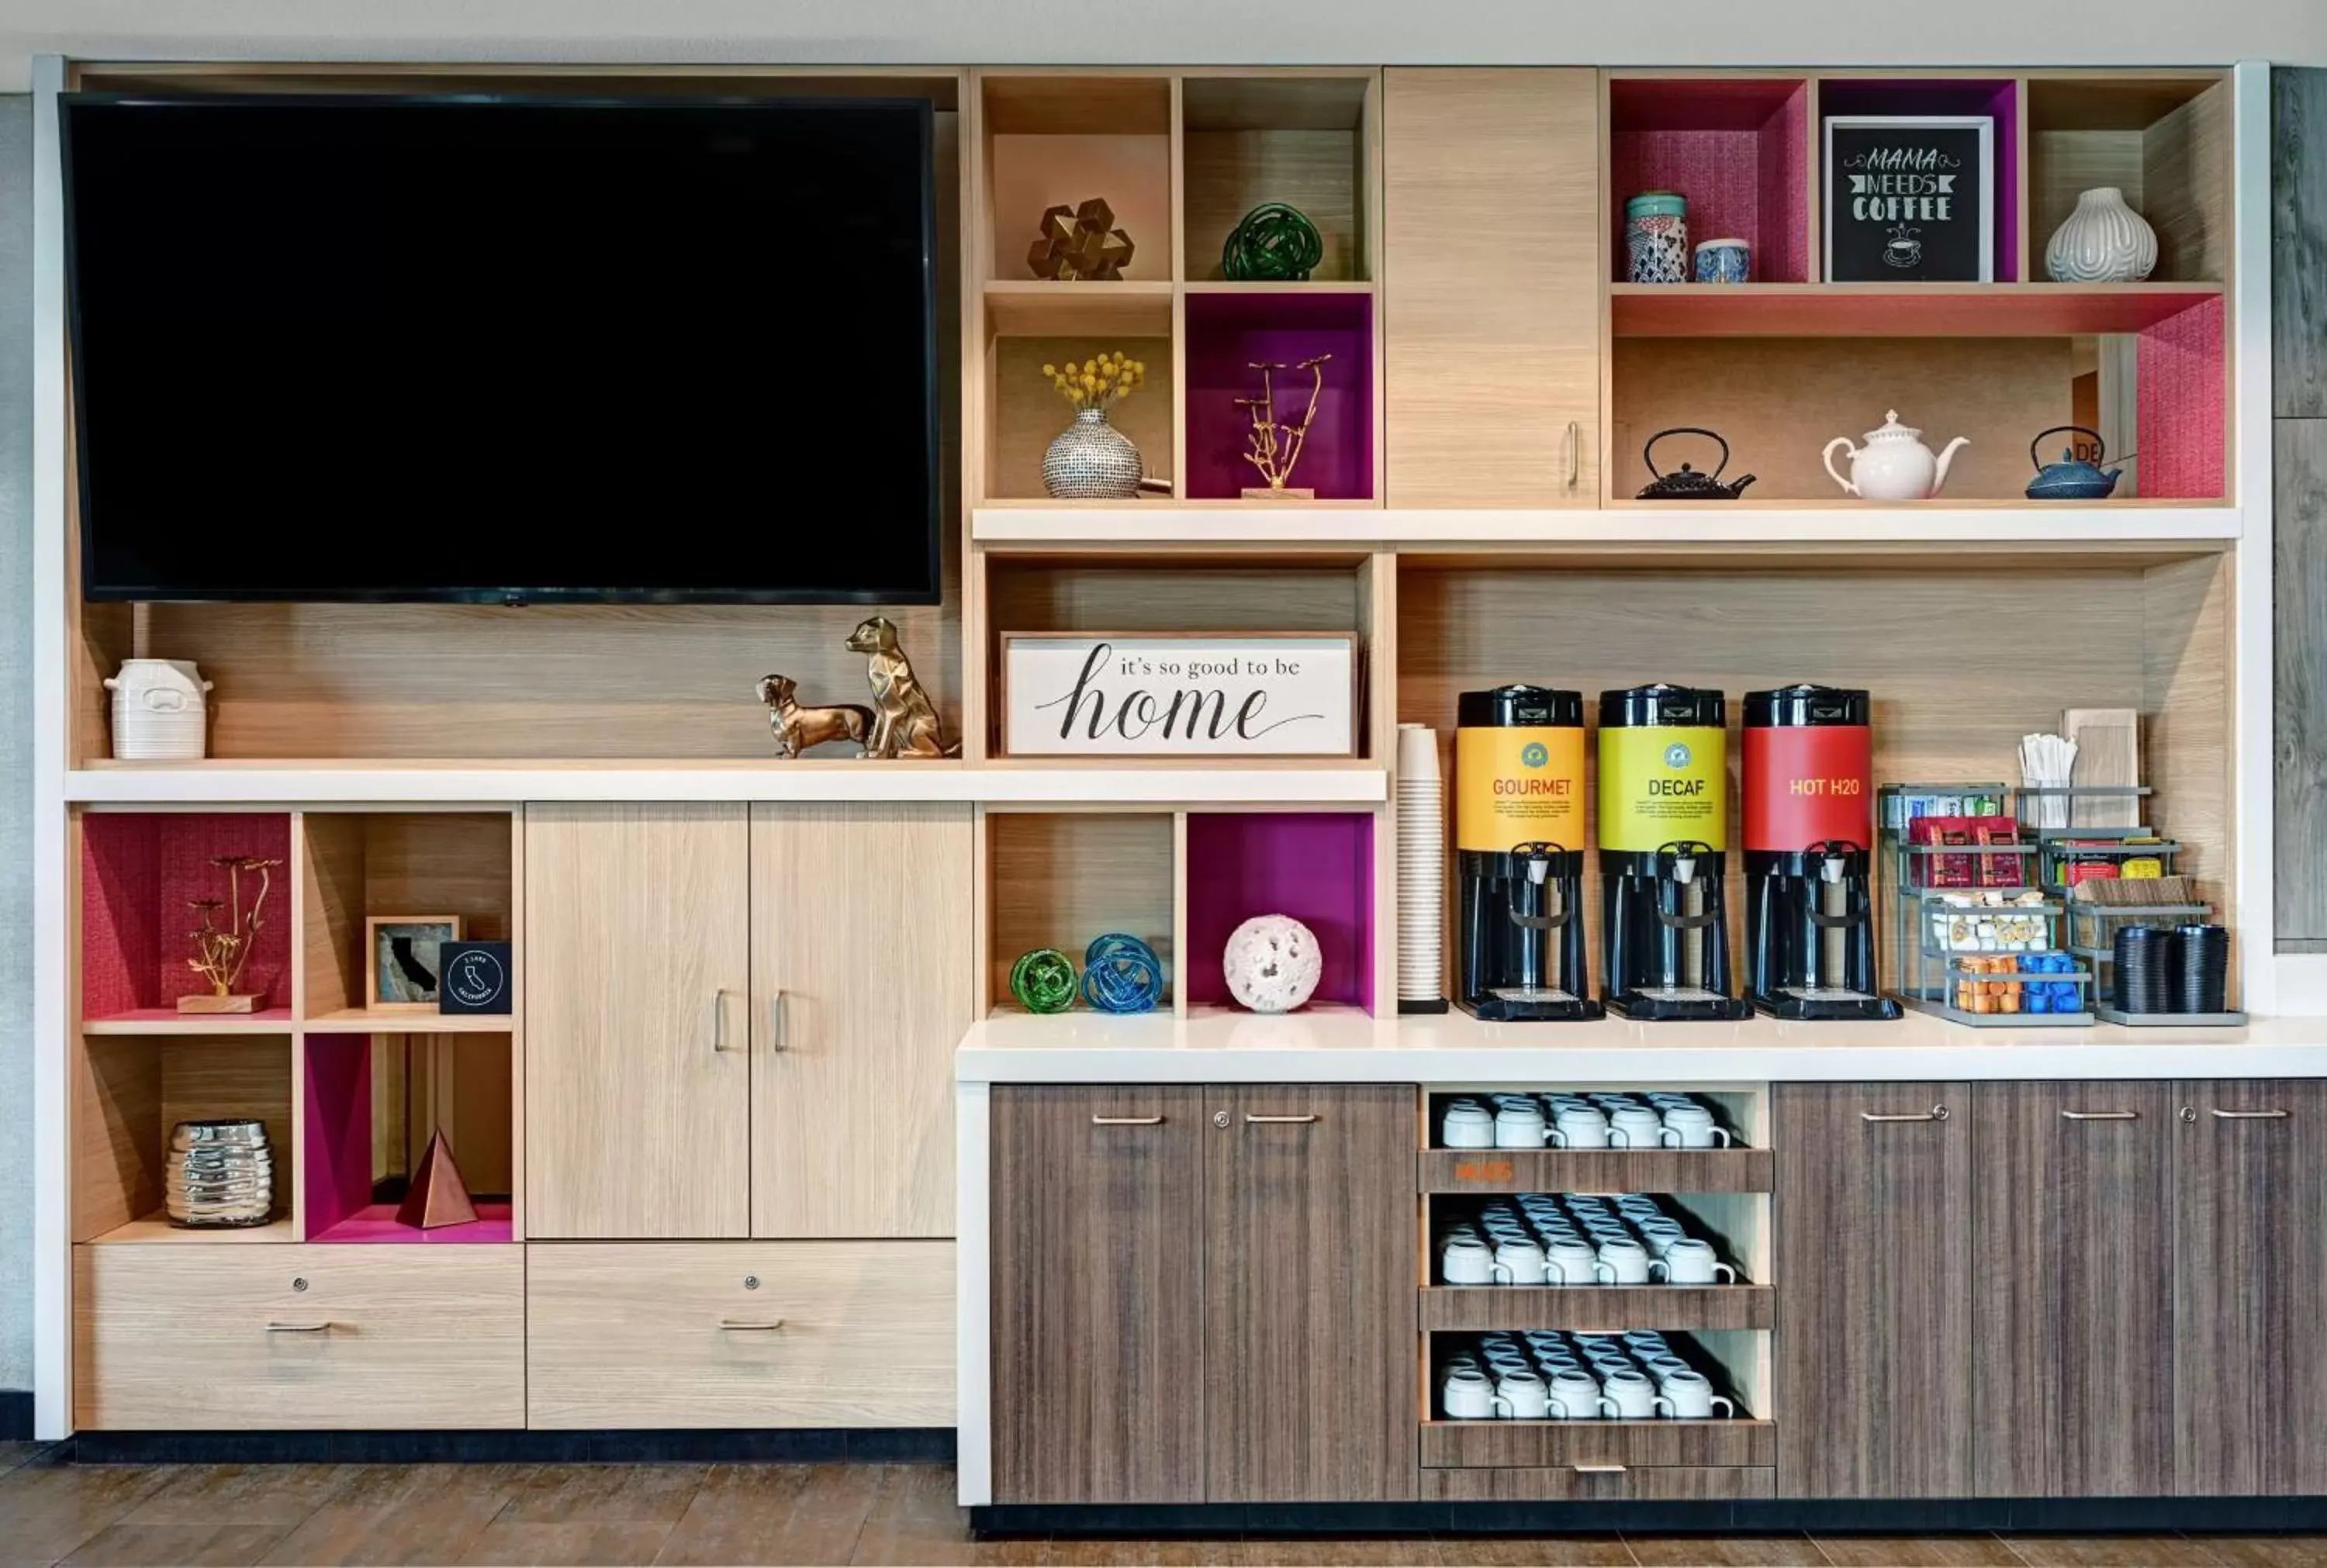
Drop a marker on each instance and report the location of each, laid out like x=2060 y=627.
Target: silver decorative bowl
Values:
x=219 y=1175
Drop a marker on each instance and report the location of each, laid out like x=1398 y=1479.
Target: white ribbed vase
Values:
x=2103 y=241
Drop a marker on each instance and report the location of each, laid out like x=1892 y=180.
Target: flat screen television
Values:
x=504 y=350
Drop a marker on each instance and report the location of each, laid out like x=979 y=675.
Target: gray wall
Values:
x=15 y=743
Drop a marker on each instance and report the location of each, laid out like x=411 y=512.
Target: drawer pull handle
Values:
x=736 y=1326
x=1126 y=1121
x=2100 y=1115
x=776 y=1021
x=1574 y=452
x=2249 y=1116
x=1935 y=1114
x=1600 y=1470
x=299 y=1327
x=1292 y=1121
x=718 y=1022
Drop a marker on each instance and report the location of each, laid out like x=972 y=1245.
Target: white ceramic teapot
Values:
x=1894 y=465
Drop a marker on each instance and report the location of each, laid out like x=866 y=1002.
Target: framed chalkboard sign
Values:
x=1910 y=198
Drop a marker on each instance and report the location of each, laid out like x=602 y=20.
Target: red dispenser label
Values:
x=1808 y=782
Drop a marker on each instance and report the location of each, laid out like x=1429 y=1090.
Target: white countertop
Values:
x=1342 y=1045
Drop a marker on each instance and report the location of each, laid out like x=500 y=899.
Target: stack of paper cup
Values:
x=1421 y=871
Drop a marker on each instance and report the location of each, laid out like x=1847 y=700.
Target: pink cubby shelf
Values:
x=1316 y=866
x=337 y=1165
x=1998 y=99
x=1228 y=333
x=139 y=872
x=1739 y=150
x=2179 y=395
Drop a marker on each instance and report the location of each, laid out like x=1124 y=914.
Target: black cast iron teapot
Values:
x=1684 y=483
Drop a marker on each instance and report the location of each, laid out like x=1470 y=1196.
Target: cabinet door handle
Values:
x=1126 y=1121
x=2100 y=1115
x=1600 y=1470
x=737 y=1326
x=1574 y=452
x=1301 y=1120
x=1935 y=1114
x=2249 y=1116
x=776 y=1021
x=718 y=1022
x=299 y=1327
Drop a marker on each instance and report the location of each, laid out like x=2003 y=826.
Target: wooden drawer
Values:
x=776 y=1333
x=1489 y=1170
x=1603 y=1308
x=1530 y=1444
x=1607 y=1484
x=298 y=1337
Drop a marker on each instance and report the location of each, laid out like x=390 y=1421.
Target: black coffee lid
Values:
x=1519 y=708
x=1794 y=706
x=1637 y=707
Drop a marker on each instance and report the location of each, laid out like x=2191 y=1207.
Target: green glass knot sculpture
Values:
x=1273 y=243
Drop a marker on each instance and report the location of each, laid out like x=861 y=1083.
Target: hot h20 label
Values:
x=1517 y=785
x=1659 y=784
x=1809 y=784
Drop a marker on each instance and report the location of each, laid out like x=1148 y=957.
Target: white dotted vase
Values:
x=1091 y=460
x=1272 y=962
x=2103 y=241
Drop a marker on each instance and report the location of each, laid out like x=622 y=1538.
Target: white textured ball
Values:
x=1272 y=962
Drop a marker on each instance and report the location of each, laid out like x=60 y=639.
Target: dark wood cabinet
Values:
x=2071 y=1262
x=1098 y=1293
x=1309 y=1293
x=1872 y=1388
x=2249 y=1357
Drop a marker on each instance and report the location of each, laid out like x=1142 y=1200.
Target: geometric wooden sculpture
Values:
x=437 y=1196
x=1081 y=242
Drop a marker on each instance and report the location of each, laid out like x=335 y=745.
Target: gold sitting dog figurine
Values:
x=904 y=720
x=797 y=728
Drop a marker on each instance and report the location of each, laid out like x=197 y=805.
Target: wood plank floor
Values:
x=128 y=1516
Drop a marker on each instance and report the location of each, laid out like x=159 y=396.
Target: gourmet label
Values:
x=1659 y=783
x=1518 y=785
x=1807 y=783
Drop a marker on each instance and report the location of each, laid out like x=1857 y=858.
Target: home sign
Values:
x=1097 y=693
x=1909 y=198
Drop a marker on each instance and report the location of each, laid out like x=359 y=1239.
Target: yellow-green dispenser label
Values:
x=1659 y=783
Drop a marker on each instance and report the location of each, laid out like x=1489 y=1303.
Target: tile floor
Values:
x=126 y=1516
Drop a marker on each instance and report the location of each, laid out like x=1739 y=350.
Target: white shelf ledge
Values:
x=466 y=782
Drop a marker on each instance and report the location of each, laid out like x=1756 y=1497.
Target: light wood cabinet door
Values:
x=637 y=973
x=861 y=986
x=1097 y=1262
x=1875 y=1249
x=2071 y=1264
x=1309 y=1387
x=2250 y=1330
x=1490 y=287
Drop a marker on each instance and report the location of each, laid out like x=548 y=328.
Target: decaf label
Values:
x=1909 y=198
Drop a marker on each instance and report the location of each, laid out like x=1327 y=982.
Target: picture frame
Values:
x=1893 y=197
x=393 y=976
x=1173 y=694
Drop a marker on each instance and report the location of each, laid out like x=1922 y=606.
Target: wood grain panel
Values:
x=861 y=988
x=2299 y=676
x=178 y=1337
x=2250 y=1245
x=2072 y=1283
x=1535 y=1444
x=1491 y=286
x=1487 y=1171
x=2186 y=186
x=1650 y=1483
x=637 y=1066
x=1309 y=1329
x=2298 y=244
x=2187 y=635
x=1608 y=1309
x=1872 y=1384
x=633 y=1335
x=1097 y=1274
x=1057 y=880
x=1228 y=173
x=1159 y=594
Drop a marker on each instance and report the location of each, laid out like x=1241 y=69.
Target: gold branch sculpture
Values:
x=1275 y=446
x=222 y=952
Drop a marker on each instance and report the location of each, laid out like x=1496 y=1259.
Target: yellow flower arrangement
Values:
x=1097 y=383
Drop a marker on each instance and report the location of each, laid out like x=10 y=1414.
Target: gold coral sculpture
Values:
x=1275 y=446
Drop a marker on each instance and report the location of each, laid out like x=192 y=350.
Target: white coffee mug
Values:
x=1467 y=1396
x=1518 y=1125
x=1635 y=1127
x=1571 y=1263
x=1632 y=1397
x=1661 y=1236
x=1465 y=1261
x=1691 y=1397
x=1521 y=1395
x=1666 y=1365
x=1574 y=1396
x=1623 y=1262
x=1691 y=1263
x=1693 y=1127
x=1579 y=1129
x=1644 y=1341
x=1468 y=1125
x=1519 y=1262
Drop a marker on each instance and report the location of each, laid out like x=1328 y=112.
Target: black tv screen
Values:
x=504 y=350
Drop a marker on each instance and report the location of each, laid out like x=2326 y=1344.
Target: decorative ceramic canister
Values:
x=2102 y=241
x=1656 y=237
x=158 y=712
x=1723 y=261
x=1091 y=460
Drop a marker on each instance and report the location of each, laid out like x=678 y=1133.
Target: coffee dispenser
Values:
x=1809 y=784
x=1519 y=842
x=1664 y=824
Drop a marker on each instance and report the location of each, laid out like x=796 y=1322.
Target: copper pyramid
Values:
x=438 y=1197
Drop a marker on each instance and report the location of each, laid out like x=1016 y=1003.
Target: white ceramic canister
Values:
x=159 y=713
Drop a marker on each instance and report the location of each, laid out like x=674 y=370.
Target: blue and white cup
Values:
x=1723 y=261
x=1656 y=237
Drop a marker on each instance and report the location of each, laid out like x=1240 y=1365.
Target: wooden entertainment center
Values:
x=724 y=1112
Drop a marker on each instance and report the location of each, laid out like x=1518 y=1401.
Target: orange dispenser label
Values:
x=1519 y=785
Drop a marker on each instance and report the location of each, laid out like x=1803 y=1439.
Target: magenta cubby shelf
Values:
x=1999 y=100
x=336 y=1158
x=1739 y=150
x=1317 y=866
x=140 y=871
x=2181 y=407
x=1228 y=333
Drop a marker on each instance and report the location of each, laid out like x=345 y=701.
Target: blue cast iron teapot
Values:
x=2071 y=478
